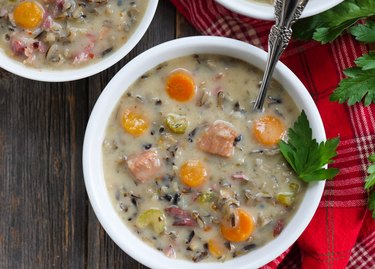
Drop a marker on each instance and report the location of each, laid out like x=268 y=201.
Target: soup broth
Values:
x=61 y=34
x=191 y=169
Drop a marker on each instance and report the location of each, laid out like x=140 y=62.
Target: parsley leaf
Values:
x=370 y=183
x=364 y=32
x=371 y=204
x=367 y=61
x=327 y=26
x=359 y=84
x=306 y=156
x=370 y=180
x=328 y=34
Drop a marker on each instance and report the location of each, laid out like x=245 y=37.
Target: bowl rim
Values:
x=264 y=11
x=92 y=149
x=64 y=75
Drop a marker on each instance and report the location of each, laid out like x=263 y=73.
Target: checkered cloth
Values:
x=342 y=232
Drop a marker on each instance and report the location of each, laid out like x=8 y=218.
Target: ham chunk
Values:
x=218 y=139
x=145 y=166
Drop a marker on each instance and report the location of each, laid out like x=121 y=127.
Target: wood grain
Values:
x=46 y=220
x=42 y=126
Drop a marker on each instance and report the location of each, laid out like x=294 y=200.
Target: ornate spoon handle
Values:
x=286 y=13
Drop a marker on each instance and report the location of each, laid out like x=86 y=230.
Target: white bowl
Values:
x=95 y=132
x=265 y=11
x=51 y=75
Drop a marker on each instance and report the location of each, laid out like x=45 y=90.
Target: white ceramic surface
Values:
x=92 y=152
x=50 y=75
x=265 y=11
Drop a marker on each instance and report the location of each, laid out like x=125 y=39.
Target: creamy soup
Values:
x=189 y=166
x=66 y=33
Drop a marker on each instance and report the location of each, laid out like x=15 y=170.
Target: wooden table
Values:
x=46 y=220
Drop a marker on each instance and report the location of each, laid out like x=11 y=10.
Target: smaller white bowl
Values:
x=265 y=11
x=53 y=75
x=96 y=187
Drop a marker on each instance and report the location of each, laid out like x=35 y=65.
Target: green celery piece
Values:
x=364 y=32
x=305 y=155
x=152 y=217
x=359 y=84
x=327 y=26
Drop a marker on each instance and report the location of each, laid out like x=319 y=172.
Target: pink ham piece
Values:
x=218 y=139
x=145 y=166
x=240 y=175
x=17 y=46
x=181 y=217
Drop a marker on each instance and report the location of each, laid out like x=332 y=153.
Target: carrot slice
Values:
x=133 y=123
x=268 y=130
x=28 y=15
x=180 y=86
x=216 y=248
x=193 y=173
x=241 y=231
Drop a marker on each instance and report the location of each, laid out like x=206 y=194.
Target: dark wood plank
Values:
x=41 y=188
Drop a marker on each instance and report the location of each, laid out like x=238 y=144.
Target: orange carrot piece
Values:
x=216 y=248
x=133 y=123
x=193 y=173
x=180 y=86
x=241 y=231
x=268 y=130
x=28 y=14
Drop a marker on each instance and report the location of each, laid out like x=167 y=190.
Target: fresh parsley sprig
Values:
x=364 y=32
x=370 y=184
x=305 y=155
x=327 y=26
x=359 y=84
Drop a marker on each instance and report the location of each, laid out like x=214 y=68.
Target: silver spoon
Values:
x=286 y=13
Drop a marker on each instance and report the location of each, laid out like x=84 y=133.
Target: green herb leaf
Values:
x=370 y=183
x=366 y=61
x=371 y=204
x=370 y=180
x=372 y=158
x=364 y=32
x=327 y=26
x=306 y=156
x=328 y=34
x=359 y=84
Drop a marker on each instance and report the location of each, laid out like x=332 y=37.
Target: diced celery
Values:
x=294 y=187
x=176 y=123
x=151 y=218
x=285 y=198
x=207 y=197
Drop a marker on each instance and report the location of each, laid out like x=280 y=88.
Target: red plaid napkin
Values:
x=342 y=232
